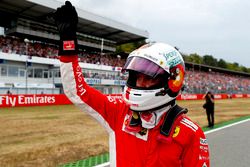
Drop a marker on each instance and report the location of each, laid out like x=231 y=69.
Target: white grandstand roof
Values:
x=89 y=23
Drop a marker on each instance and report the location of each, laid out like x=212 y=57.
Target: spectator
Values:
x=209 y=106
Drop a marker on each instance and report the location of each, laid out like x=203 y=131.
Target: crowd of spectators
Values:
x=102 y=59
x=14 y=45
x=195 y=81
x=200 y=82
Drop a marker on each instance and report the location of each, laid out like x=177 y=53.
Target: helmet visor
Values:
x=144 y=66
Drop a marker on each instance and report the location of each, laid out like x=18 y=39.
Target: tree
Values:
x=222 y=63
x=129 y=47
x=210 y=60
x=244 y=69
x=233 y=66
x=196 y=58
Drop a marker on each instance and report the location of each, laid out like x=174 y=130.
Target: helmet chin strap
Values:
x=162 y=92
x=168 y=91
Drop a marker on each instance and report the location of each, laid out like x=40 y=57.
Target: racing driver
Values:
x=146 y=127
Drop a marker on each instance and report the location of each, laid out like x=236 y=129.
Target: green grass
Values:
x=89 y=162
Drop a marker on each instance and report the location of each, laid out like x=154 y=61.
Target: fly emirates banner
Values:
x=32 y=100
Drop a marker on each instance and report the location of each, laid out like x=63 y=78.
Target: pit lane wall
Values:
x=61 y=99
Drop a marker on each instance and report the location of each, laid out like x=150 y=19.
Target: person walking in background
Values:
x=209 y=106
x=146 y=127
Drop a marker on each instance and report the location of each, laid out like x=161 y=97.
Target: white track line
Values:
x=226 y=126
x=104 y=165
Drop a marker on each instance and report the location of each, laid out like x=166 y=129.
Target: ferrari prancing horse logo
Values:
x=176 y=131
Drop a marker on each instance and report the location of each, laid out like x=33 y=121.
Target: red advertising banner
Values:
x=61 y=99
x=33 y=100
x=200 y=96
x=216 y=96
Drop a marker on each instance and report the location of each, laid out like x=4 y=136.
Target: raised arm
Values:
x=76 y=89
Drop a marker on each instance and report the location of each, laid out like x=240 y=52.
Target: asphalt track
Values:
x=230 y=145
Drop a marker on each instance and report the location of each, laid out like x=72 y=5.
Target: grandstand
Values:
x=201 y=78
x=29 y=62
x=100 y=70
x=28 y=48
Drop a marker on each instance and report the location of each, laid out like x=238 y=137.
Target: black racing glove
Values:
x=66 y=20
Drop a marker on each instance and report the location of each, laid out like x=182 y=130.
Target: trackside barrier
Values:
x=61 y=99
x=33 y=100
x=216 y=96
